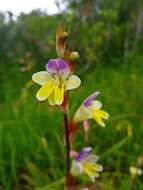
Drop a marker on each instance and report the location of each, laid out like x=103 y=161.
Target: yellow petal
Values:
x=51 y=99
x=42 y=77
x=92 y=170
x=72 y=82
x=104 y=114
x=99 y=121
x=45 y=91
x=98 y=115
x=59 y=95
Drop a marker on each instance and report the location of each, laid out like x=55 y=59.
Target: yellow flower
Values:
x=91 y=109
x=55 y=81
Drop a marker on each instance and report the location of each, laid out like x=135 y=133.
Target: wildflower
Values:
x=85 y=162
x=55 y=81
x=135 y=171
x=89 y=109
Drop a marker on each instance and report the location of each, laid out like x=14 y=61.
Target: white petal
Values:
x=82 y=114
x=99 y=168
x=77 y=168
x=42 y=77
x=72 y=82
x=65 y=75
x=96 y=104
x=90 y=159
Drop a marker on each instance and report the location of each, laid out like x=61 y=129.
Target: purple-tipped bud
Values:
x=90 y=98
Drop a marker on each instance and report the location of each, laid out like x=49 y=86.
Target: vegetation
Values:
x=110 y=46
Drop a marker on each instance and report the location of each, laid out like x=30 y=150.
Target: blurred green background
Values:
x=109 y=37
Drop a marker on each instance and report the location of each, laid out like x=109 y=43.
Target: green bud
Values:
x=64 y=35
x=74 y=56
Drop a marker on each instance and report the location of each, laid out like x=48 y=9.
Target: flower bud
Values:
x=74 y=56
x=64 y=35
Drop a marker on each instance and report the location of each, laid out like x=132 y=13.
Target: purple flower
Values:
x=55 y=66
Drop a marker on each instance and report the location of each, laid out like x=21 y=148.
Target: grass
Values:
x=31 y=133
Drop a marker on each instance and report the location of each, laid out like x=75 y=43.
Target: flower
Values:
x=55 y=81
x=85 y=162
x=135 y=171
x=89 y=109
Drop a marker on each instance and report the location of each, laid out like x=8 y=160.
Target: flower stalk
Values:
x=55 y=82
x=67 y=141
